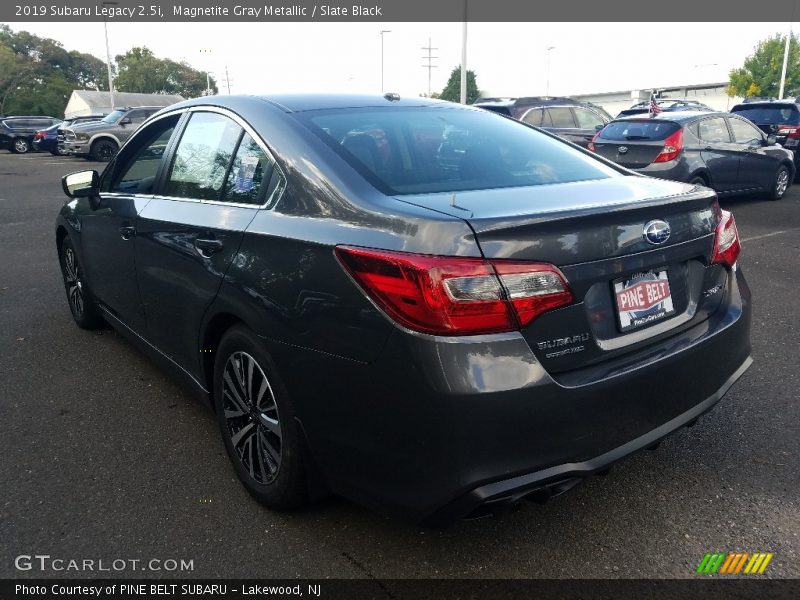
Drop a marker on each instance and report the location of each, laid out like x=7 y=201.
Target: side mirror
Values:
x=125 y=121
x=772 y=139
x=598 y=127
x=81 y=184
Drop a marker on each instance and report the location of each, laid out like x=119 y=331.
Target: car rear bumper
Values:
x=541 y=485
x=440 y=429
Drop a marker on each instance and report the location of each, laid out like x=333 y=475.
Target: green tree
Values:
x=452 y=91
x=761 y=73
x=139 y=70
x=37 y=75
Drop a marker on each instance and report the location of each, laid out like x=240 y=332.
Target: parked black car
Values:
x=720 y=150
x=568 y=118
x=16 y=133
x=643 y=108
x=422 y=306
x=48 y=139
x=778 y=117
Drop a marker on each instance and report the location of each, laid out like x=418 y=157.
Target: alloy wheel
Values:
x=21 y=146
x=72 y=279
x=251 y=416
x=782 y=182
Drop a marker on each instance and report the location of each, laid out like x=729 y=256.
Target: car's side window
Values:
x=137 y=165
x=562 y=117
x=714 y=130
x=587 y=119
x=136 y=116
x=533 y=117
x=744 y=133
x=250 y=165
x=203 y=156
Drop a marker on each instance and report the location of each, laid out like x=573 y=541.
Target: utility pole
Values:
x=429 y=65
x=227 y=80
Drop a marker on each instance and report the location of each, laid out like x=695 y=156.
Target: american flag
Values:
x=654 y=107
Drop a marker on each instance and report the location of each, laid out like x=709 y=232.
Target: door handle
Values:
x=127 y=231
x=206 y=247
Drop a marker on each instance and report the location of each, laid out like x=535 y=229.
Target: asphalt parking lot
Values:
x=105 y=457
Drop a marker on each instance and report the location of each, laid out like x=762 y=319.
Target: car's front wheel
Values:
x=258 y=422
x=781 y=183
x=103 y=150
x=81 y=302
x=20 y=146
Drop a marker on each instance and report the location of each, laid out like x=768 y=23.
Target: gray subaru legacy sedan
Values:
x=428 y=308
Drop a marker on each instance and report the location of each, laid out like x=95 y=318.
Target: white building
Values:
x=710 y=94
x=91 y=102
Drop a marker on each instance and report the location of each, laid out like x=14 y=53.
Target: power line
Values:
x=429 y=65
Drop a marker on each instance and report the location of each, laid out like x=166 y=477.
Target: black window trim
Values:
x=166 y=160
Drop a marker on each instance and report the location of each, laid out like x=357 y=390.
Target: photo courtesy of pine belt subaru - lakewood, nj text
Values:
x=428 y=308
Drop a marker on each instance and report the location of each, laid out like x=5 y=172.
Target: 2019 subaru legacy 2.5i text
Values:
x=425 y=307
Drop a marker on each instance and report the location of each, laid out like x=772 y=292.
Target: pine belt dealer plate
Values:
x=642 y=299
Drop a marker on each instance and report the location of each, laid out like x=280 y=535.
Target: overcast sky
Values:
x=508 y=58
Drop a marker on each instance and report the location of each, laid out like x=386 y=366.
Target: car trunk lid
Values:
x=594 y=232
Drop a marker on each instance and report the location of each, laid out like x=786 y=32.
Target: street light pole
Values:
x=463 y=91
x=382 y=32
x=108 y=59
x=547 y=89
x=208 y=73
x=785 y=63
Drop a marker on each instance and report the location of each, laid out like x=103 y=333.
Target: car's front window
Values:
x=410 y=150
x=113 y=117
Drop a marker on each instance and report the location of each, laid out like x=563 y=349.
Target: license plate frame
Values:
x=642 y=299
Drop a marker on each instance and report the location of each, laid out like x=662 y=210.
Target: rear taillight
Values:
x=672 y=147
x=39 y=135
x=448 y=295
x=594 y=139
x=790 y=132
x=726 y=243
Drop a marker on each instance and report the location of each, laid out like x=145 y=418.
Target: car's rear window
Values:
x=629 y=131
x=769 y=115
x=413 y=150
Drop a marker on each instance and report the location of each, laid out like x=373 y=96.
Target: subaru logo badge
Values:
x=656 y=232
x=622 y=149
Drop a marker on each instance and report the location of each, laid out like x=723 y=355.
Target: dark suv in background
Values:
x=570 y=119
x=718 y=150
x=16 y=133
x=778 y=117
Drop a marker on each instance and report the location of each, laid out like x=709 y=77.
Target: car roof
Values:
x=677 y=116
x=531 y=101
x=763 y=103
x=303 y=102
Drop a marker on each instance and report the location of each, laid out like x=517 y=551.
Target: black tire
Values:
x=103 y=150
x=781 y=183
x=81 y=302
x=55 y=152
x=20 y=146
x=262 y=437
x=698 y=180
